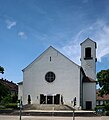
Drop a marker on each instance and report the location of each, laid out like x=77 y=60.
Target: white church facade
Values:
x=52 y=78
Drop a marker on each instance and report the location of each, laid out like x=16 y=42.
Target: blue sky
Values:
x=28 y=27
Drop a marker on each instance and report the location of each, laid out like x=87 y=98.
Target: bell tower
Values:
x=88 y=58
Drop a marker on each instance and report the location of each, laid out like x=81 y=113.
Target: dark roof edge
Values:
x=20 y=83
x=88 y=80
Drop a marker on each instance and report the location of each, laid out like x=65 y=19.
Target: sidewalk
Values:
x=6 y=117
x=49 y=113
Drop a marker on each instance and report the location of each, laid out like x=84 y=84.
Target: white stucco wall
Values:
x=20 y=91
x=67 y=82
x=89 y=94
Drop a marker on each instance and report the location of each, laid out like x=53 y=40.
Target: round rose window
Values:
x=50 y=77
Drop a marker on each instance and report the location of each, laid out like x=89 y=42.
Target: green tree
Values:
x=1 y=70
x=103 y=81
x=14 y=98
x=3 y=91
x=7 y=99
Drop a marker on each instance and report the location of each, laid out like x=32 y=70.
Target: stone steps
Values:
x=46 y=107
x=48 y=110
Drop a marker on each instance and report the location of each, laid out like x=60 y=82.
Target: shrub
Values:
x=11 y=105
x=107 y=113
x=107 y=106
x=99 y=107
x=100 y=110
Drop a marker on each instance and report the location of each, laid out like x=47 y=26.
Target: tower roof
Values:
x=88 y=39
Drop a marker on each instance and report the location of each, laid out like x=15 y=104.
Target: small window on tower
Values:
x=88 y=53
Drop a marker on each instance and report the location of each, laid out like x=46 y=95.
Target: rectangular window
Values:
x=88 y=53
x=50 y=58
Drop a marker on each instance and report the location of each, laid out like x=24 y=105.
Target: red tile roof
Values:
x=10 y=85
x=104 y=97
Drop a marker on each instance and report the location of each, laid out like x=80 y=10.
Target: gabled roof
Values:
x=88 y=39
x=46 y=52
x=87 y=79
x=104 y=97
x=20 y=83
x=10 y=85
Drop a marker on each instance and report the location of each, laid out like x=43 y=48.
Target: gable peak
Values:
x=88 y=39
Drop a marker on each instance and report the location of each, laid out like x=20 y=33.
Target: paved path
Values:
x=6 y=117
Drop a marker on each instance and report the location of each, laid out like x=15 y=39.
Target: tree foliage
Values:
x=1 y=70
x=3 y=91
x=7 y=99
x=6 y=96
x=103 y=81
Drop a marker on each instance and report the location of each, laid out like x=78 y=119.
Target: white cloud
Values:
x=101 y=35
x=72 y=51
x=10 y=24
x=22 y=35
x=85 y=1
x=99 y=32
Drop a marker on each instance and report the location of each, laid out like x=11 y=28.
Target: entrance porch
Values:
x=50 y=99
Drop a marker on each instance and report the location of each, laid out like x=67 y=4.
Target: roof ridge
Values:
x=45 y=52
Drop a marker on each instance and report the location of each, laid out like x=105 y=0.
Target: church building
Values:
x=52 y=78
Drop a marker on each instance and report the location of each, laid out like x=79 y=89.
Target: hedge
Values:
x=11 y=105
